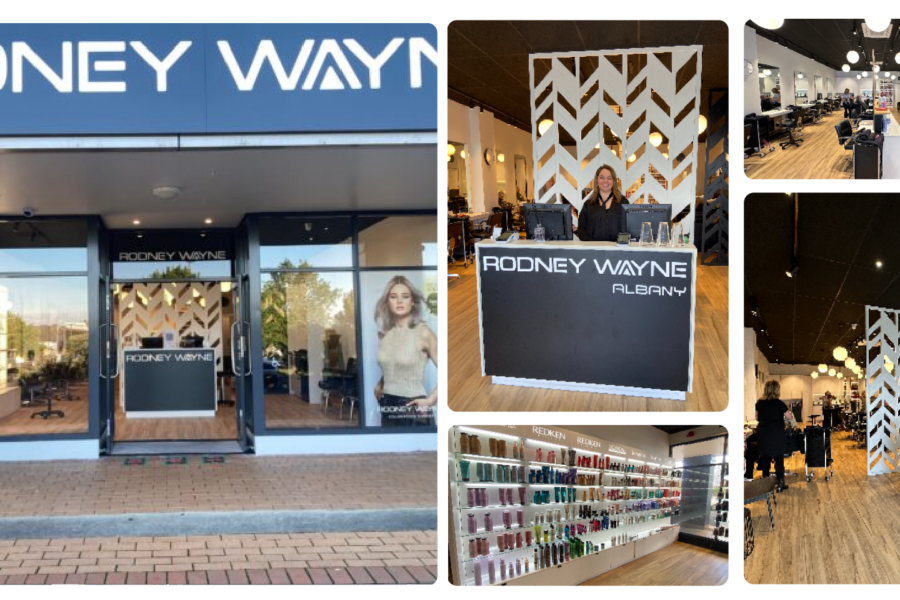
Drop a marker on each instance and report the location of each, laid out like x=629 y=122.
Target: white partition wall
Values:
x=644 y=103
x=882 y=389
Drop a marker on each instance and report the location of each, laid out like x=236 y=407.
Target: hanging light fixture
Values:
x=462 y=154
x=544 y=125
x=858 y=76
x=853 y=56
x=665 y=155
x=814 y=375
x=876 y=68
x=501 y=157
x=656 y=139
x=865 y=73
x=632 y=158
x=451 y=149
x=769 y=23
x=840 y=354
x=831 y=372
x=840 y=375
x=845 y=68
x=702 y=123
x=878 y=25
x=850 y=363
x=888 y=364
x=823 y=368
x=767 y=72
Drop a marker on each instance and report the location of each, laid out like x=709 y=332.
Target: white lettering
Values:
x=373 y=64
x=491 y=261
x=640 y=268
x=654 y=266
x=22 y=52
x=330 y=81
x=417 y=48
x=606 y=265
x=645 y=290
x=625 y=268
x=512 y=263
x=679 y=270
x=265 y=52
x=548 y=266
x=640 y=290
x=559 y=435
x=85 y=84
x=578 y=264
x=618 y=287
x=559 y=265
x=522 y=260
x=161 y=67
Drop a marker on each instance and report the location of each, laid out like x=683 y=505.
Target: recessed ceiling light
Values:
x=136 y=222
x=878 y=264
x=207 y=221
x=166 y=192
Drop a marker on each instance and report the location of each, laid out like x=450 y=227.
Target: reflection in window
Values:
x=303 y=242
x=43 y=245
x=407 y=241
x=43 y=355
x=309 y=340
x=172 y=271
x=704 y=487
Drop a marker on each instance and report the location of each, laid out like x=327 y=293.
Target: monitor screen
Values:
x=638 y=214
x=555 y=218
x=151 y=343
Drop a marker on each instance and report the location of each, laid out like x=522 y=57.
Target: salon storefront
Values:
x=221 y=238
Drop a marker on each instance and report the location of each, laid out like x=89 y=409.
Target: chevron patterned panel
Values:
x=600 y=98
x=882 y=388
x=714 y=237
x=188 y=308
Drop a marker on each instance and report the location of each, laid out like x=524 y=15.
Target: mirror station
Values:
x=197 y=255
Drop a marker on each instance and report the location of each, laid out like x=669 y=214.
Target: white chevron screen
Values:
x=636 y=110
x=882 y=389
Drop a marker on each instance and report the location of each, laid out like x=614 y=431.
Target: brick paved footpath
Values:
x=109 y=487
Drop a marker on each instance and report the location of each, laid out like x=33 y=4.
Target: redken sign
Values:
x=167 y=79
x=595 y=314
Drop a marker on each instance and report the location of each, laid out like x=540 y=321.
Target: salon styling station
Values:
x=169 y=383
x=534 y=505
x=588 y=316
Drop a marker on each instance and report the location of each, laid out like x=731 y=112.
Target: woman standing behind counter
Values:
x=601 y=218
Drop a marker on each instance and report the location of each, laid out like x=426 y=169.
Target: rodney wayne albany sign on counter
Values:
x=194 y=79
x=589 y=315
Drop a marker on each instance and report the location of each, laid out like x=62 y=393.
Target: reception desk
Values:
x=588 y=316
x=170 y=383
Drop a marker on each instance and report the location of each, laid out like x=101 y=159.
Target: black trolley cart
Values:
x=817 y=443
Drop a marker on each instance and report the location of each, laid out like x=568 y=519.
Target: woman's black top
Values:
x=770 y=430
x=596 y=223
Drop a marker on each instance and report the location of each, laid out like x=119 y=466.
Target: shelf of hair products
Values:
x=523 y=505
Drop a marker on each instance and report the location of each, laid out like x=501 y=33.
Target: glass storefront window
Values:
x=43 y=355
x=704 y=491
x=43 y=246
x=310 y=369
x=172 y=271
x=407 y=241
x=305 y=242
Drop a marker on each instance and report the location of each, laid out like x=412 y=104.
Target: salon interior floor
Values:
x=839 y=532
x=676 y=564
x=470 y=391
x=196 y=492
x=818 y=157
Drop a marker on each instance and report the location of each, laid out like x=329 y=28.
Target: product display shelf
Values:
x=497 y=506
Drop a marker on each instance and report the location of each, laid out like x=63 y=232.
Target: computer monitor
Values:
x=556 y=219
x=192 y=341
x=637 y=214
x=148 y=343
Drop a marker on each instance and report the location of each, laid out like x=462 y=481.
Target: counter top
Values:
x=580 y=245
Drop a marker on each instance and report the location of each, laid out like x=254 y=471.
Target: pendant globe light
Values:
x=823 y=368
x=853 y=56
x=850 y=363
x=865 y=73
x=840 y=354
x=769 y=23
x=845 y=68
x=840 y=375
x=451 y=149
x=814 y=375
x=878 y=25
x=831 y=372
x=656 y=139
x=877 y=68
x=544 y=125
x=888 y=364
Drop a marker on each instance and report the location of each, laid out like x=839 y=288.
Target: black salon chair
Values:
x=46 y=392
x=349 y=388
x=788 y=123
x=854 y=118
x=224 y=377
x=330 y=385
x=495 y=220
x=845 y=132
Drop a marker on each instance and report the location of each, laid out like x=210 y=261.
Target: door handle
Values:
x=234 y=355
x=105 y=361
x=114 y=329
x=244 y=348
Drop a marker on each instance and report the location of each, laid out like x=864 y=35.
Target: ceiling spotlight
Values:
x=136 y=222
x=878 y=264
x=853 y=56
x=166 y=192
x=207 y=221
x=793 y=270
x=769 y=23
x=845 y=68
x=878 y=25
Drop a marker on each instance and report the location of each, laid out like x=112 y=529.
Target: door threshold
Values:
x=144 y=448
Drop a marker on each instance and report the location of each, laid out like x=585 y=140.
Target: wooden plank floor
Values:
x=74 y=421
x=678 y=564
x=469 y=391
x=840 y=532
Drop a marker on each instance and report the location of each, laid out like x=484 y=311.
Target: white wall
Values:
x=479 y=130
x=753 y=385
x=788 y=63
x=797 y=382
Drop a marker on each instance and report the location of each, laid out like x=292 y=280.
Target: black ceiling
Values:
x=488 y=60
x=828 y=41
x=675 y=428
x=840 y=239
